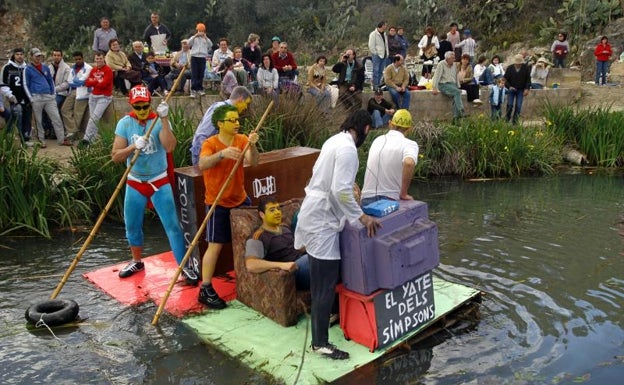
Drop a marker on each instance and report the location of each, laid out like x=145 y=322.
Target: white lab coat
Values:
x=329 y=200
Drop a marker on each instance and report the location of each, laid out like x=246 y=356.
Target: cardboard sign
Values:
x=404 y=309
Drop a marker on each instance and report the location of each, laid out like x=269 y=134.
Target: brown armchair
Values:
x=272 y=293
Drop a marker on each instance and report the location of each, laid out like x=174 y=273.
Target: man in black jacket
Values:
x=380 y=109
x=518 y=82
x=350 y=80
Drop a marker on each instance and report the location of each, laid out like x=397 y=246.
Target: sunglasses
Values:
x=231 y=120
x=140 y=108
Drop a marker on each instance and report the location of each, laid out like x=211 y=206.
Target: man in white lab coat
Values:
x=329 y=202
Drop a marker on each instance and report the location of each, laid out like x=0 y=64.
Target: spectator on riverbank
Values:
x=603 y=53
x=156 y=35
x=380 y=109
x=74 y=110
x=41 y=91
x=13 y=77
x=103 y=35
x=100 y=80
x=518 y=82
x=445 y=81
x=560 y=49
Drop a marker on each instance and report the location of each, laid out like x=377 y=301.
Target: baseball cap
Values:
x=276 y=38
x=139 y=94
x=35 y=52
x=201 y=27
x=378 y=92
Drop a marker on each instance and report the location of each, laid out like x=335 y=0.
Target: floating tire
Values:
x=53 y=312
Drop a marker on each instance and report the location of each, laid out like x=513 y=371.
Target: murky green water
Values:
x=547 y=251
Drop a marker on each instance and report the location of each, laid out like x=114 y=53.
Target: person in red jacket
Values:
x=101 y=81
x=603 y=53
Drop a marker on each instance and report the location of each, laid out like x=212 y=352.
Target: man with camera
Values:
x=350 y=80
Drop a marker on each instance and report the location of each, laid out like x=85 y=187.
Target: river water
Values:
x=546 y=251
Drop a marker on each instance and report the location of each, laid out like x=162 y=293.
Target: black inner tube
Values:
x=53 y=312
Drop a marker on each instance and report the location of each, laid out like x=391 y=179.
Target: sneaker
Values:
x=131 y=268
x=477 y=101
x=193 y=94
x=201 y=93
x=334 y=318
x=330 y=351
x=190 y=276
x=209 y=297
x=66 y=142
x=84 y=143
x=28 y=143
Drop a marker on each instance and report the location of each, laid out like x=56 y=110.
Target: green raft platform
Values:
x=284 y=352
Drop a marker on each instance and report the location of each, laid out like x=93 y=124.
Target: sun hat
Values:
x=518 y=59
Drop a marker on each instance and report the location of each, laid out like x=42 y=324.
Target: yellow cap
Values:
x=402 y=118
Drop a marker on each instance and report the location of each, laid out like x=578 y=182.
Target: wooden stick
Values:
x=104 y=212
x=201 y=229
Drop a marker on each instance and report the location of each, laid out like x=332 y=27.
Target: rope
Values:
x=41 y=323
x=305 y=341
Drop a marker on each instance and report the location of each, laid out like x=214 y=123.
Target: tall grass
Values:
x=35 y=192
x=597 y=132
x=480 y=148
x=292 y=122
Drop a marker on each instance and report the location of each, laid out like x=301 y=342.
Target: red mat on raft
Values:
x=152 y=283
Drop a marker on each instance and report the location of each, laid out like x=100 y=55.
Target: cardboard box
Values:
x=378 y=319
x=282 y=173
x=369 y=264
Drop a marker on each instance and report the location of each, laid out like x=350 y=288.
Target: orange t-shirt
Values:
x=214 y=177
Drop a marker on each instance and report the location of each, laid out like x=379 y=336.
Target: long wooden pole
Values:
x=201 y=229
x=108 y=206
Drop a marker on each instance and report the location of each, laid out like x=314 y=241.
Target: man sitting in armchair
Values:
x=271 y=246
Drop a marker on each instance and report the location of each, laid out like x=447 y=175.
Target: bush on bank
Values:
x=37 y=193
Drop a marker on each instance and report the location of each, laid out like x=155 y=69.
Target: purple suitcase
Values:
x=363 y=272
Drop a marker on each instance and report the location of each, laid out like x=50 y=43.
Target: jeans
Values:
x=22 y=114
x=514 y=98
x=451 y=90
x=401 y=99
x=496 y=112
x=559 y=62
x=302 y=274
x=198 y=67
x=379 y=120
x=97 y=106
x=164 y=203
x=323 y=98
x=378 y=68
x=602 y=67
x=47 y=102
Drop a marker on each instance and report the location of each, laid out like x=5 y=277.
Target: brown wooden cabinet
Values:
x=281 y=173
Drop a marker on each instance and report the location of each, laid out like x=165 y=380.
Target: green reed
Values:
x=481 y=148
x=35 y=192
x=597 y=132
